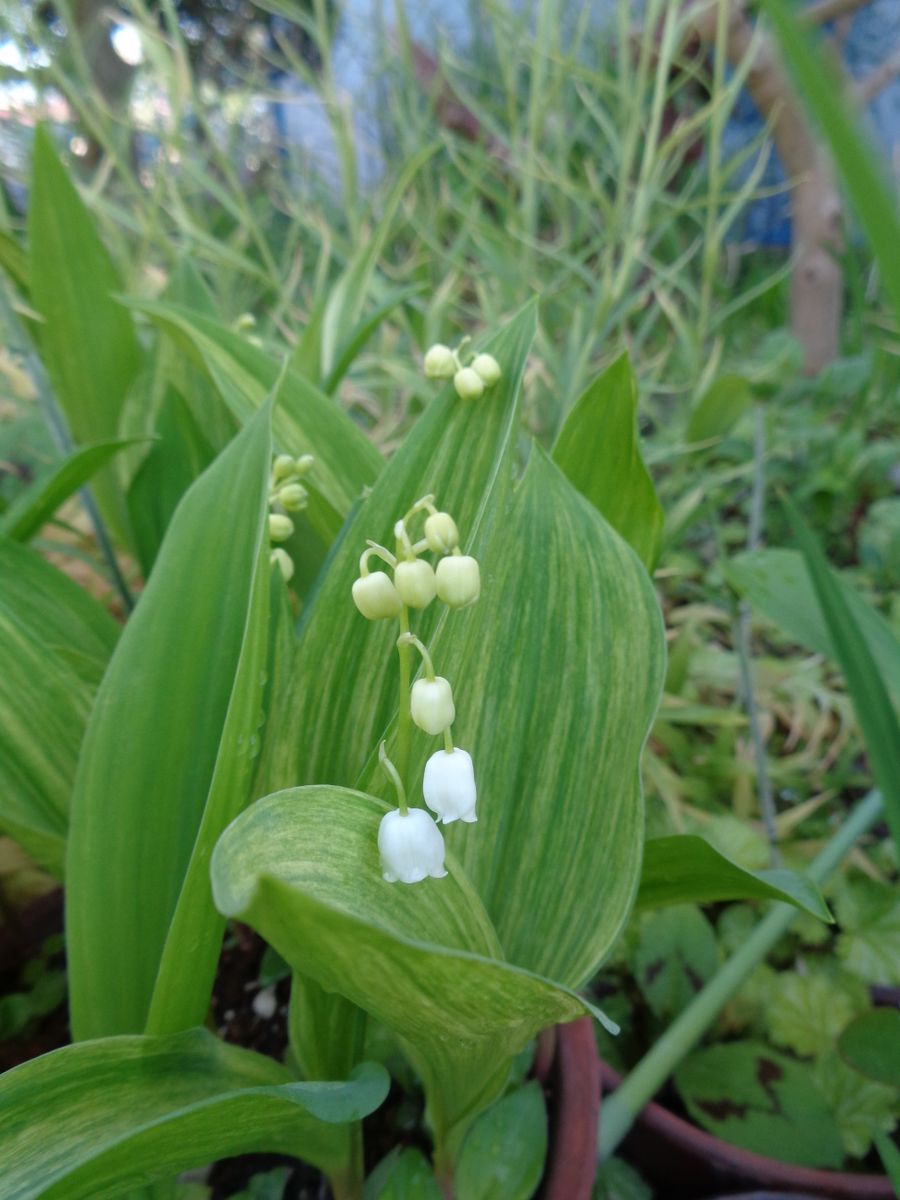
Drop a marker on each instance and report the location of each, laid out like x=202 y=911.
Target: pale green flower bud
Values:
x=293 y=497
x=458 y=580
x=304 y=464
x=415 y=582
x=441 y=533
x=376 y=597
x=440 y=362
x=487 y=368
x=468 y=383
x=280 y=527
x=284 y=562
x=431 y=704
x=282 y=467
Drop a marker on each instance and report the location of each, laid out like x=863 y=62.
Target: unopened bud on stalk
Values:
x=415 y=582
x=458 y=580
x=376 y=597
x=431 y=704
x=440 y=362
x=293 y=497
x=284 y=562
x=468 y=383
x=441 y=533
x=486 y=368
x=282 y=467
x=280 y=527
x=304 y=464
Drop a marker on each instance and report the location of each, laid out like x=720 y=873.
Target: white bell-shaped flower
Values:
x=449 y=786
x=415 y=582
x=411 y=847
x=458 y=580
x=431 y=704
x=376 y=597
x=468 y=383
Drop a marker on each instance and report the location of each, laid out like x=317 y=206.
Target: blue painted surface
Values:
x=366 y=26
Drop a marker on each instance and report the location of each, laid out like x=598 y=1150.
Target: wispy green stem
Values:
x=640 y=1085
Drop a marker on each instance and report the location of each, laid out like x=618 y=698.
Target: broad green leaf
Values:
x=825 y=94
x=598 y=450
x=90 y=1120
x=87 y=339
x=344 y=680
x=55 y=641
x=402 y=1175
x=778 y=583
x=675 y=956
x=361 y=334
x=326 y=1032
x=719 y=409
x=806 y=1013
x=504 y=1151
x=151 y=748
x=556 y=672
x=180 y=454
x=862 y=673
x=306 y=421
x=302 y=868
x=760 y=1100
x=33 y=507
x=869 y=943
x=871 y=1044
x=860 y=1106
x=682 y=869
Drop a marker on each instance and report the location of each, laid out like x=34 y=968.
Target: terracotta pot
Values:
x=566 y=1064
x=691 y=1164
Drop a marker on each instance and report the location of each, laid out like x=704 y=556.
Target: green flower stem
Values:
x=404 y=719
x=448 y=741
x=391 y=771
x=641 y=1084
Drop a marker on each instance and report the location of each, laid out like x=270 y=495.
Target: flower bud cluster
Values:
x=470 y=380
x=409 y=841
x=286 y=495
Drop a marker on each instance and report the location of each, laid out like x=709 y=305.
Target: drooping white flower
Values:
x=411 y=847
x=376 y=597
x=431 y=704
x=449 y=785
x=468 y=383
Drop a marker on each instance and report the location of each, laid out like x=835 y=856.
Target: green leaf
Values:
x=859 y=1106
x=889 y=1153
x=675 y=956
x=865 y=684
x=342 y=689
x=87 y=339
x=14 y=260
x=174 y=462
x=504 y=1151
x=402 y=1175
x=871 y=1044
x=618 y=1180
x=91 y=1120
x=306 y=421
x=33 y=507
x=361 y=334
x=719 y=409
x=760 y=1100
x=824 y=91
x=55 y=641
x=302 y=867
x=869 y=943
x=150 y=753
x=598 y=451
x=684 y=869
x=807 y=1012
x=778 y=583
x=557 y=673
